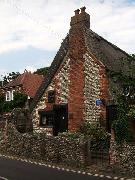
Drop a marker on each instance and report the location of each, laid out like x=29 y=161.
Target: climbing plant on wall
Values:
x=125 y=98
x=18 y=101
x=120 y=125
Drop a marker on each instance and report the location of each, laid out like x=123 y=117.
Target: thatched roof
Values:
x=110 y=55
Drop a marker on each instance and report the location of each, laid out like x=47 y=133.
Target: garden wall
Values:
x=60 y=149
x=125 y=155
x=122 y=156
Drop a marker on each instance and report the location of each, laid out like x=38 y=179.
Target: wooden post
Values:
x=112 y=151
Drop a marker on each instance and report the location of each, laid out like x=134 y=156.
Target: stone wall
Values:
x=60 y=84
x=91 y=89
x=38 y=146
x=122 y=156
x=125 y=155
x=96 y=87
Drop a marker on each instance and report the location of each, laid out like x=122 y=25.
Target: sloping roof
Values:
x=52 y=70
x=29 y=82
x=109 y=54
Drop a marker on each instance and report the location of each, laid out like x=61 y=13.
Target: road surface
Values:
x=18 y=170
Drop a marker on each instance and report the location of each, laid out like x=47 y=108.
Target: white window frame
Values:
x=10 y=95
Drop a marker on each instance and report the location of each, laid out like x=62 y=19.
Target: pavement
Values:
x=22 y=169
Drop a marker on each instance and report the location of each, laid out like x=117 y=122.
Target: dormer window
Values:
x=51 y=96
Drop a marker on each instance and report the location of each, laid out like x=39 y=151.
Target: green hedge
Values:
x=18 y=102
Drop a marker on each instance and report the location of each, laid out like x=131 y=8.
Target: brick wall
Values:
x=76 y=94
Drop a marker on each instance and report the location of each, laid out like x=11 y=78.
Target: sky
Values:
x=31 y=31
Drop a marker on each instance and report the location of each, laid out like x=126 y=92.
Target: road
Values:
x=17 y=170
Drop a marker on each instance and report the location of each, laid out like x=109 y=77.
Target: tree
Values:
x=9 y=77
x=42 y=71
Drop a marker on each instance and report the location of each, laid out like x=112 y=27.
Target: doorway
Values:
x=111 y=115
x=60 y=119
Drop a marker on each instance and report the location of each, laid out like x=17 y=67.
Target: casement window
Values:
x=51 y=96
x=46 y=119
x=10 y=95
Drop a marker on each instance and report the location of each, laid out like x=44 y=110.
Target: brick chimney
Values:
x=77 y=48
x=81 y=18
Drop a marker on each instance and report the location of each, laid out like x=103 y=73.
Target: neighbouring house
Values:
x=79 y=86
x=18 y=96
x=26 y=83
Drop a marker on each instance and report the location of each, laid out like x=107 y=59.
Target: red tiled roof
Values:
x=29 y=82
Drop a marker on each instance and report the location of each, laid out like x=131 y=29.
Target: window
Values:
x=10 y=95
x=51 y=96
x=46 y=119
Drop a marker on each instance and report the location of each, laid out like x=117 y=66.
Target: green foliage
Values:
x=125 y=79
x=93 y=131
x=125 y=97
x=121 y=78
x=131 y=113
x=71 y=135
x=7 y=78
x=120 y=125
x=42 y=71
x=18 y=102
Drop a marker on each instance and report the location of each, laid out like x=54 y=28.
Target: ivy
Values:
x=124 y=83
x=18 y=102
x=93 y=131
x=131 y=113
x=125 y=80
x=120 y=125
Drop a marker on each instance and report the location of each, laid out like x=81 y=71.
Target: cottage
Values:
x=26 y=83
x=77 y=87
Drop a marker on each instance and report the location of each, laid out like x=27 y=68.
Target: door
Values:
x=111 y=115
x=60 y=119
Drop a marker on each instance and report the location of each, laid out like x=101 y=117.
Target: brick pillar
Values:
x=76 y=51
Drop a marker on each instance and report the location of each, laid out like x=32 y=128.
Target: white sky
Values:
x=36 y=28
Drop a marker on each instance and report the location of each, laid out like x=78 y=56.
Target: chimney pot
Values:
x=83 y=9
x=77 y=11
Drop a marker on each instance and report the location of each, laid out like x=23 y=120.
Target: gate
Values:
x=98 y=152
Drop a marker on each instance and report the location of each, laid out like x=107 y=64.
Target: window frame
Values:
x=46 y=114
x=10 y=95
x=51 y=98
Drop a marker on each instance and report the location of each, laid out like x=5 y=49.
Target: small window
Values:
x=8 y=96
x=51 y=96
x=46 y=119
